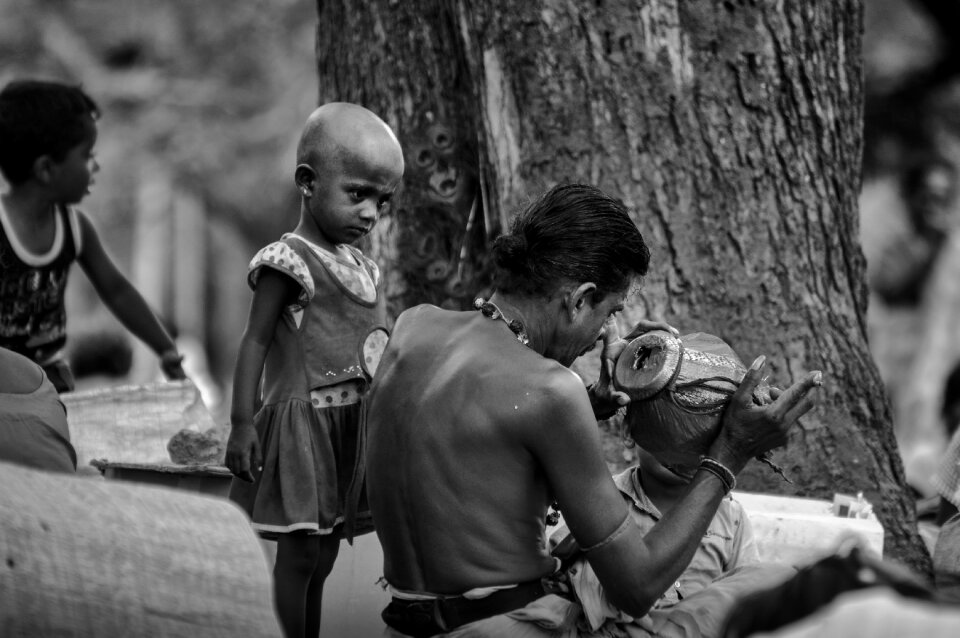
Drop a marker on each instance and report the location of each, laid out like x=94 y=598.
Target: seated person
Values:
x=946 y=553
x=946 y=481
x=33 y=421
x=725 y=565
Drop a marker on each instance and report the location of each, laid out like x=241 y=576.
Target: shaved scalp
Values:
x=337 y=128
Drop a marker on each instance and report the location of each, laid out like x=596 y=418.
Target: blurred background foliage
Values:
x=202 y=103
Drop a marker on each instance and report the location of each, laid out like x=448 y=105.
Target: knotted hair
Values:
x=573 y=232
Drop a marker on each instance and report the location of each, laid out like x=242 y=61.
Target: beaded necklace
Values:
x=489 y=309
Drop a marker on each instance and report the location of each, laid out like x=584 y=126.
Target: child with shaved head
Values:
x=316 y=301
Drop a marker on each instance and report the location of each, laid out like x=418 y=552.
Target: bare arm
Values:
x=124 y=301
x=273 y=292
x=635 y=569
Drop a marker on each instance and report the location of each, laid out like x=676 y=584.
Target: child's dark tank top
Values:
x=32 y=313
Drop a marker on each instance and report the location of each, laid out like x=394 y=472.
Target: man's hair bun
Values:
x=510 y=253
x=572 y=233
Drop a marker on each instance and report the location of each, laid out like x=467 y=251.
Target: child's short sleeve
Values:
x=281 y=257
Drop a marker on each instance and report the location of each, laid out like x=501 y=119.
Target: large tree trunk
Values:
x=731 y=128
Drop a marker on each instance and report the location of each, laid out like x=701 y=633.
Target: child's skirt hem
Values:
x=310 y=528
x=273 y=532
x=309 y=457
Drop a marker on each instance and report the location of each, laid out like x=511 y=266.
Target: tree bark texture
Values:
x=731 y=128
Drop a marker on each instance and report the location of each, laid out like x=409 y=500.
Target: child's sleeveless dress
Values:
x=313 y=382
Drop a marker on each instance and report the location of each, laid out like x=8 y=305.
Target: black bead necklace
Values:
x=489 y=309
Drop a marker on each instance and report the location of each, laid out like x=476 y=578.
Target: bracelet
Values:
x=612 y=536
x=719 y=470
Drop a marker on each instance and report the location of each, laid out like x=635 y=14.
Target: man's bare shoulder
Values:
x=557 y=402
x=425 y=316
x=416 y=319
x=416 y=313
x=530 y=383
x=560 y=382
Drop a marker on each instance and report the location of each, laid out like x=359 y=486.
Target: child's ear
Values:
x=305 y=177
x=43 y=169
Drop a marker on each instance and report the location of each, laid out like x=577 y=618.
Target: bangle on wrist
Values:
x=719 y=470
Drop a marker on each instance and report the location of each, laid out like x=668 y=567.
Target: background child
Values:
x=49 y=131
x=315 y=300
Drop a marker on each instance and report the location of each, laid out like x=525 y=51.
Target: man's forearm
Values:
x=636 y=568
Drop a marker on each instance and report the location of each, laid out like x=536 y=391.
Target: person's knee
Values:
x=327 y=549
x=298 y=554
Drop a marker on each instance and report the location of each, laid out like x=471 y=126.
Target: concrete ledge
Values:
x=798 y=531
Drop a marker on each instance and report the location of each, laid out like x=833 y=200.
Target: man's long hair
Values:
x=571 y=233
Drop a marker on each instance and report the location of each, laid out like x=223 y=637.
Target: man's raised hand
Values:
x=749 y=429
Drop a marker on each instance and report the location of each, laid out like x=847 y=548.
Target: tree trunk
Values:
x=405 y=61
x=731 y=128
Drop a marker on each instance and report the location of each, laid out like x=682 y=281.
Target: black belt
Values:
x=424 y=618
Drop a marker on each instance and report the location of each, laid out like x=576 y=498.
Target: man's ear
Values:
x=305 y=177
x=576 y=299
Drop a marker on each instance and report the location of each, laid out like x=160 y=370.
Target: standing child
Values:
x=48 y=131
x=315 y=299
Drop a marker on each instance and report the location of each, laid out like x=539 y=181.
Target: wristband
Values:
x=719 y=470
